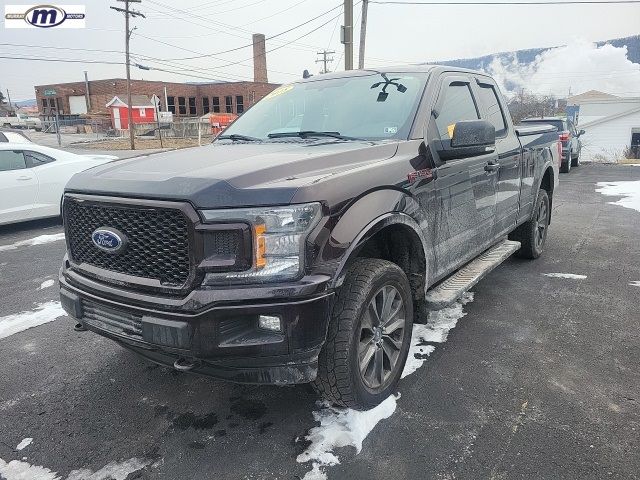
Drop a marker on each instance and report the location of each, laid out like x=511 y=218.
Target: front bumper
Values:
x=220 y=338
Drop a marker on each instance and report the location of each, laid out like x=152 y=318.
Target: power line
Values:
x=551 y=2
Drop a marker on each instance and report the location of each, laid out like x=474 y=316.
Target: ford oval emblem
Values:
x=109 y=239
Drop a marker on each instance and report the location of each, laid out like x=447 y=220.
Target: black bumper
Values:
x=223 y=341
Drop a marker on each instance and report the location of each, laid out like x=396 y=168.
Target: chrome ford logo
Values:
x=109 y=239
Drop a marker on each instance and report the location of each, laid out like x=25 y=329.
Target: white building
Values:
x=612 y=125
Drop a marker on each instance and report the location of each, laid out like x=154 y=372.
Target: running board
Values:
x=451 y=289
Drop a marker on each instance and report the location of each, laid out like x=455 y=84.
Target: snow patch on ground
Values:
x=635 y=283
x=630 y=191
x=565 y=275
x=342 y=427
x=33 y=241
x=19 y=470
x=24 y=443
x=43 y=313
x=111 y=471
x=436 y=330
x=47 y=284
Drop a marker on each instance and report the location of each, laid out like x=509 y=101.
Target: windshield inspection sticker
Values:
x=451 y=129
x=390 y=130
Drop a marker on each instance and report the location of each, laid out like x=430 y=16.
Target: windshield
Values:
x=376 y=106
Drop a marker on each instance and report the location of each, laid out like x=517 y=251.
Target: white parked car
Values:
x=13 y=136
x=21 y=121
x=33 y=177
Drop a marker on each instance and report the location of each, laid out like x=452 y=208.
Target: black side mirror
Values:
x=581 y=132
x=470 y=138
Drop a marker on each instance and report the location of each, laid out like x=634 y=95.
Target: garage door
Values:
x=77 y=104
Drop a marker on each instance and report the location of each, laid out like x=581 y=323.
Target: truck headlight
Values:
x=279 y=235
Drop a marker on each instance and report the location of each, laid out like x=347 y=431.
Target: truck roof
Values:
x=417 y=68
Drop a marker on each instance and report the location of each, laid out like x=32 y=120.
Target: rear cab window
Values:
x=488 y=97
x=12 y=160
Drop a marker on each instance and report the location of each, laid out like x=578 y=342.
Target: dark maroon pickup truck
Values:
x=305 y=241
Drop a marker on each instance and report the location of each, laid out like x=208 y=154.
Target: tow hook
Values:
x=79 y=327
x=184 y=364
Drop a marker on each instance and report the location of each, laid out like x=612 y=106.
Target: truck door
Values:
x=465 y=187
x=509 y=157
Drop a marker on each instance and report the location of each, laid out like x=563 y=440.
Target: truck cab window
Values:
x=11 y=160
x=458 y=105
x=495 y=115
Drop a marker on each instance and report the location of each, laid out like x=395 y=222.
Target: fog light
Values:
x=269 y=322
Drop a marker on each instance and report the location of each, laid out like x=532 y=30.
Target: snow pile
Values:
x=630 y=191
x=47 y=284
x=40 y=240
x=342 y=427
x=573 y=276
x=635 y=283
x=43 y=313
x=436 y=330
x=24 y=443
x=580 y=66
x=19 y=470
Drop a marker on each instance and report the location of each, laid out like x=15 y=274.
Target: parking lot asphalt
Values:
x=541 y=378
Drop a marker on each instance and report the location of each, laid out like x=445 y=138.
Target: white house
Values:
x=612 y=125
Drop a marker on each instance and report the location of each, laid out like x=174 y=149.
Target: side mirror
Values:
x=581 y=132
x=470 y=138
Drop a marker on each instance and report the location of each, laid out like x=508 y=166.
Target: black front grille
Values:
x=158 y=241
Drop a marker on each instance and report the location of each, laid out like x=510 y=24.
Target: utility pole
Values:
x=325 y=59
x=127 y=36
x=86 y=92
x=363 y=33
x=9 y=100
x=347 y=34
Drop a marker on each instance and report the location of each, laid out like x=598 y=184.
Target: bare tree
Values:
x=525 y=105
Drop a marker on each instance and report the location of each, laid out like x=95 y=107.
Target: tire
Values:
x=533 y=234
x=354 y=338
x=565 y=167
x=575 y=161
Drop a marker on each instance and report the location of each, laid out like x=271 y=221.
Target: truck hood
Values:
x=229 y=175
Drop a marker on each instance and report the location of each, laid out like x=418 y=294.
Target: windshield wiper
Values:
x=235 y=137
x=310 y=133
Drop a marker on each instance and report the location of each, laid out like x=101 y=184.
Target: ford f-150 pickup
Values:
x=302 y=244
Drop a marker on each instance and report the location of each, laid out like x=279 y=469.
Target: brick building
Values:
x=182 y=99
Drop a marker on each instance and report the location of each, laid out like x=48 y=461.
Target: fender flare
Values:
x=543 y=171
x=372 y=228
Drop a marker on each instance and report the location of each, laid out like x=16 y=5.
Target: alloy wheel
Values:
x=381 y=334
x=541 y=224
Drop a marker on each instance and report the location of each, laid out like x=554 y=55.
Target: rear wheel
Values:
x=369 y=335
x=575 y=161
x=565 y=167
x=533 y=234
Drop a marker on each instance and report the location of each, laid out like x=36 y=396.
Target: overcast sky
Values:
x=396 y=34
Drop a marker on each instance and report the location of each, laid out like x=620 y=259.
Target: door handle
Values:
x=491 y=167
x=24 y=177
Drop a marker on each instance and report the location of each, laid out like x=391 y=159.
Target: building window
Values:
x=239 y=104
x=171 y=104
x=216 y=104
x=44 y=105
x=182 y=106
x=228 y=104
x=192 y=106
x=205 y=105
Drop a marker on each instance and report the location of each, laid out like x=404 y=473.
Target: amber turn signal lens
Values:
x=261 y=245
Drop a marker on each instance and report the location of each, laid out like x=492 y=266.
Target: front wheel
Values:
x=533 y=234
x=369 y=336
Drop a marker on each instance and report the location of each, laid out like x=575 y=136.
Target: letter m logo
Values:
x=44 y=17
